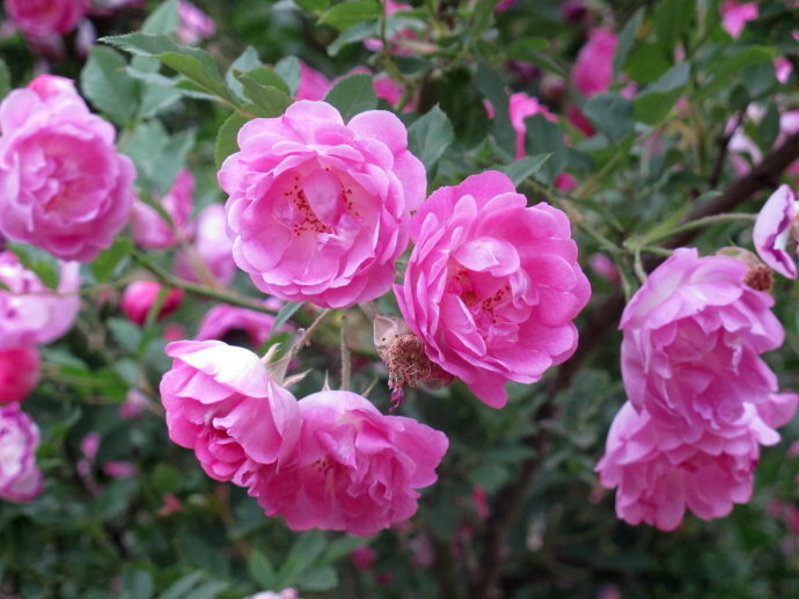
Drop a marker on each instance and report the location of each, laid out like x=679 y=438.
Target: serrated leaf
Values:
x=654 y=103
x=269 y=101
x=545 y=137
x=163 y=20
x=158 y=156
x=626 y=42
x=526 y=167
x=303 y=555
x=246 y=61
x=345 y=15
x=181 y=588
x=727 y=69
x=610 y=113
x=673 y=18
x=261 y=570
x=429 y=136
x=353 y=95
x=107 y=262
x=226 y=139
x=105 y=82
x=285 y=313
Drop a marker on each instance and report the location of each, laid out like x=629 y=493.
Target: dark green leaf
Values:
x=158 y=156
x=246 y=61
x=482 y=18
x=654 y=103
x=491 y=85
x=319 y=579
x=626 y=42
x=313 y=5
x=106 y=83
x=289 y=70
x=345 y=15
x=226 y=139
x=545 y=137
x=519 y=170
x=5 y=79
x=107 y=263
x=270 y=100
x=673 y=18
x=727 y=69
x=340 y=548
x=163 y=20
x=181 y=588
x=352 y=95
x=610 y=113
x=353 y=34
x=464 y=106
x=261 y=570
x=303 y=555
x=646 y=63
x=769 y=127
x=429 y=136
x=288 y=310
x=136 y=584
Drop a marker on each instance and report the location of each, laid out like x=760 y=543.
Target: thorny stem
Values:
x=346 y=355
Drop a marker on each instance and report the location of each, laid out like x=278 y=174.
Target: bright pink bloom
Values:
x=775 y=231
x=579 y=120
x=313 y=84
x=492 y=285
x=735 y=16
x=386 y=89
x=593 y=70
x=565 y=183
x=30 y=313
x=363 y=557
x=353 y=468
x=211 y=248
x=221 y=403
x=140 y=296
x=150 y=231
x=19 y=373
x=37 y=18
x=63 y=186
x=20 y=478
x=520 y=107
x=320 y=210
x=194 y=25
x=224 y=319
x=693 y=335
x=504 y=5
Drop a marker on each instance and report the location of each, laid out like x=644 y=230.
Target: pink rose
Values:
x=19 y=373
x=63 y=187
x=39 y=18
x=492 y=285
x=221 y=403
x=30 y=313
x=593 y=70
x=775 y=231
x=363 y=557
x=352 y=469
x=194 y=25
x=152 y=232
x=320 y=210
x=520 y=107
x=313 y=84
x=140 y=296
x=223 y=320
x=735 y=16
x=693 y=336
x=211 y=249
x=20 y=478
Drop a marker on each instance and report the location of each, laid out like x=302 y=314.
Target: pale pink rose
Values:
x=593 y=70
x=221 y=403
x=19 y=373
x=782 y=69
x=223 y=320
x=211 y=246
x=735 y=16
x=152 y=232
x=492 y=285
x=284 y=594
x=363 y=557
x=30 y=313
x=521 y=106
x=775 y=232
x=313 y=84
x=320 y=210
x=194 y=25
x=63 y=186
x=38 y=18
x=20 y=478
x=603 y=266
x=693 y=336
x=352 y=469
x=140 y=296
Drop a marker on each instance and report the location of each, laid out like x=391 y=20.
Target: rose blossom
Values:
x=734 y=16
x=31 y=313
x=140 y=296
x=492 y=285
x=63 y=187
x=19 y=373
x=38 y=18
x=521 y=106
x=313 y=84
x=320 y=210
x=152 y=232
x=194 y=25
x=693 y=335
x=221 y=403
x=211 y=249
x=774 y=231
x=352 y=469
x=20 y=478
x=593 y=70
x=224 y=319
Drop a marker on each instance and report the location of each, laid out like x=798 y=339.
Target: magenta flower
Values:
x=211 y=249
x=492 y=285
x=19 y=373
x=320 y=210
x=30 y=313
x=38 y=18
x=693 y=336
x=520 y=107
x=20 y=478
x=224 y=319
x=593 y=70
x=774 y=231
x=194 y=25
x=63 y=187
x=735 y=16
x=140 y=296
x=313 y=84
x=221 y=403
x=353 y=468
x=152 y=232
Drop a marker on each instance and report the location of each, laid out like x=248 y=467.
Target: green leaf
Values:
x=353 y=34
x=246 y=61
x=673 y=18
x=226 y=139
x=545 y=137
x=727 y=69
x=43 y=264
x=313 y=5
x=352 y=95
x=646 y=63
x=345 y=15
x=491 y=85
x=429 y=136
x=340 y=548
x=271 y=101
x=163 y=20
x=181 y=587
x=289 y=70
x=482 y=17
x=5 y=79
x=107 y=263
x=610 y=113
x=303 y=555
x=521 y=169
x=194 y=63
x=285 y=313
x=136 y=584
x=106 y=83
x=261 y=570
x=158 y=156
x=626 y=42
x=464 y=106
x=654 y=103
x=769 y=127
x=167 y=479
x=319 y=579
